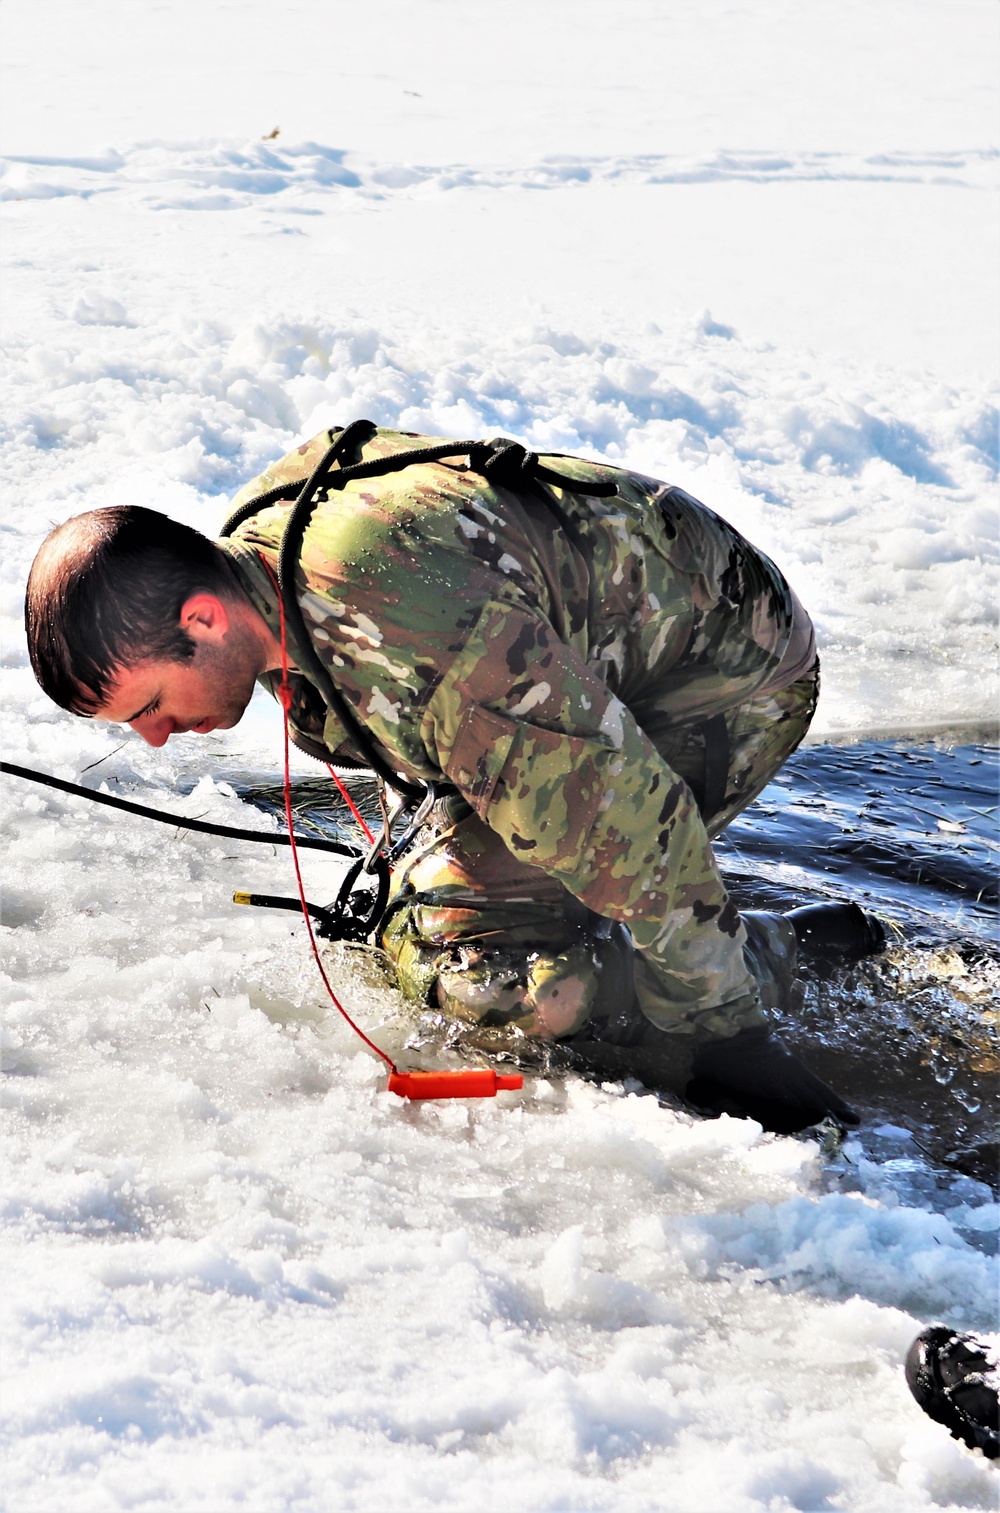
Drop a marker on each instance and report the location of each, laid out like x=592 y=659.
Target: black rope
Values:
x=509 y=466
x=288 y=563
x=340 y=445
x=306 y=498
x=355 y=913
x=358 y=911
x=259 y=502
x=228 y=831
x=293 y=905
x=512 y=466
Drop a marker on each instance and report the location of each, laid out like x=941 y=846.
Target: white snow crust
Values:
x=746 y=247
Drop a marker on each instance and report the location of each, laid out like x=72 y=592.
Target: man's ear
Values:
x=205 y=618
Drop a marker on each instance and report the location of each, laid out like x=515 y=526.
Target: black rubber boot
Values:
x=956 y=1384
x=836 y=932
x=755 y=1074
x=751 y=1074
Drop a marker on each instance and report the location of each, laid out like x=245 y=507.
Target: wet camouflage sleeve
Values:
x=535 y=666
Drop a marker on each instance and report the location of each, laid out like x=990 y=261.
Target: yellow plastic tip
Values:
x=241 y=898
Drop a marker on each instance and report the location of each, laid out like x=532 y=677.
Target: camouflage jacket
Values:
x=534 y=668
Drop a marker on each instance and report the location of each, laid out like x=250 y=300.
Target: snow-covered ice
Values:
x=747 y=247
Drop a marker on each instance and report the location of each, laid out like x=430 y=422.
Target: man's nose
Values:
x=155 y=732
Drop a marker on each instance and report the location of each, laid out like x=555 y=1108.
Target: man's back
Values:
x=675 y=612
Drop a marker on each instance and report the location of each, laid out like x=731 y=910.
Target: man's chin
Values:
x=228 y=720
x=223 y=721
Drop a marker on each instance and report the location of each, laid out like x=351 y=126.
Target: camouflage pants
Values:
x=499 y=944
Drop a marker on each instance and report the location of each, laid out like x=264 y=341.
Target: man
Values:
x=599 y=671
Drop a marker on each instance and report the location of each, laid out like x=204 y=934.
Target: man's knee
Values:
x=488 y=940
x=762 y=735
x=491 y=969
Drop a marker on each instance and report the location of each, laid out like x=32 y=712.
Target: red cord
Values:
x=478 y=1082
x=285 y=698
x=352 y=806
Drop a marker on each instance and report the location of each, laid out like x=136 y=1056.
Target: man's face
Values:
x=210 y=692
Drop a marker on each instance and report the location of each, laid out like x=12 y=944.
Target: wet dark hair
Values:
x=105 y=592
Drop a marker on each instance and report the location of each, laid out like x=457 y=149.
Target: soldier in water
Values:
x=593 y=672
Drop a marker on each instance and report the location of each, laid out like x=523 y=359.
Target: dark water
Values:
x=909 y=832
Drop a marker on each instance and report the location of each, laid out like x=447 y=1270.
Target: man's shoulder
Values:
x=380 y=521
x=298 y=464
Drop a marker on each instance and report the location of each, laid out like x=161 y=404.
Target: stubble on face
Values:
x=228 y=673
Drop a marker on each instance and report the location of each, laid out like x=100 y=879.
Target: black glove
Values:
x=754 y=1074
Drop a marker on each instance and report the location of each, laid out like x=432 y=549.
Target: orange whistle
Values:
x=478 y=1082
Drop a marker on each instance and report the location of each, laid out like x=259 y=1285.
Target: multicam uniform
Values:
x=566 y=663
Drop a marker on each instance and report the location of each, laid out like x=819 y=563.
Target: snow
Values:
x=745 y=247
